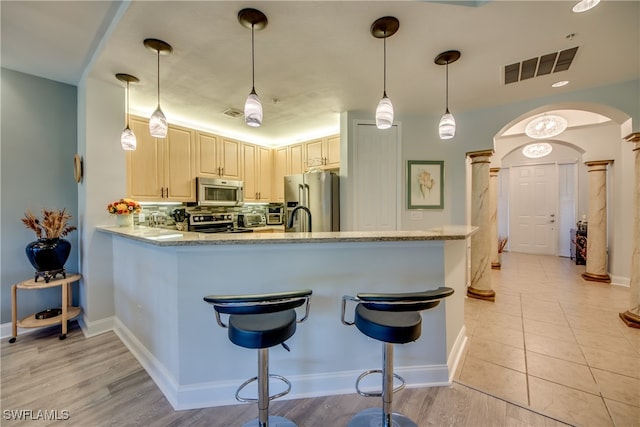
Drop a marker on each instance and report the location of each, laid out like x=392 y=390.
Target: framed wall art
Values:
x=425 y=184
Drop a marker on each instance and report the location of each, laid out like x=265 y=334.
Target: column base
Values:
x=487 y=295
x=632 y=320
x=496 y=265
x=602 y=278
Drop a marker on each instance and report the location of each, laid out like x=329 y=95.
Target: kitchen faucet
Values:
x=293 y=214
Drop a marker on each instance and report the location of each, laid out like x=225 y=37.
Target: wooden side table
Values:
x=68 y=311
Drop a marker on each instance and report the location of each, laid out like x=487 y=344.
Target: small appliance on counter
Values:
x=251 y=220
x=275 y=214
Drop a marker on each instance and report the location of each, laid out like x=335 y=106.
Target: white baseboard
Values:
x=621 y=281
x=6 y=330
x=456 y=352
x=91 y=329
x=221 y=393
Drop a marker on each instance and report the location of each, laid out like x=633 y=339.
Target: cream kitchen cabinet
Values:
x=257 y=173
x=322 y=153
x=217 y=157
x=286 y=161
x=161 y=169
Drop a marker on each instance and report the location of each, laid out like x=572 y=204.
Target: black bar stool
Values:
x=262 y=321
x=392 y=319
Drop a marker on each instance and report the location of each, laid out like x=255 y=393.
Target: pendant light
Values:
x=158 y=122
x=254 y=20
x=447 y=126
x=127 y=138
x=381 y=29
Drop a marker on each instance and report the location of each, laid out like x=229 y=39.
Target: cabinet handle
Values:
x=221 y=170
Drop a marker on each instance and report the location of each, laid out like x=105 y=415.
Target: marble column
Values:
x=596 y=269
x=493 y=206
x=632 y=316
x=481 y=217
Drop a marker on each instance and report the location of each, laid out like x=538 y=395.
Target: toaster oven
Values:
x=251 y=220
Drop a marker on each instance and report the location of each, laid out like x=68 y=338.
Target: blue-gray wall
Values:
x=38 y=141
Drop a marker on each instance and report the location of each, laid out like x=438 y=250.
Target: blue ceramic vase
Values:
x=48 y=257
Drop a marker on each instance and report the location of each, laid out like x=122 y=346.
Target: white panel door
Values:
x=532 y=207
x=376 y=174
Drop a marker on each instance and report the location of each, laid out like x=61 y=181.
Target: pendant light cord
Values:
x=447 y=87
x=158 y=77
x=253 y=66
x=384 y=73
x=126 y=106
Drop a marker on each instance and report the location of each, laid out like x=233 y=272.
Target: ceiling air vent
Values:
x=534 y=67
x=233 y=113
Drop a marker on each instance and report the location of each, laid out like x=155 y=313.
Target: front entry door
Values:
x=532 y=209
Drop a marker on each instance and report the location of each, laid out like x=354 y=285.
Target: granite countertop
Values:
x=167 y=237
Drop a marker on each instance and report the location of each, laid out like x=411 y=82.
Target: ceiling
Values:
x=316 y=59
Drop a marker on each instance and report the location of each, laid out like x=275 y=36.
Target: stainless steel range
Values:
x=214 y=223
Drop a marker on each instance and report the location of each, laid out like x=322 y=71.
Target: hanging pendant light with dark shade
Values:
x=381 y=29
x=254 y=20
x=158 y=122
x=447 y=126
x=127 y=138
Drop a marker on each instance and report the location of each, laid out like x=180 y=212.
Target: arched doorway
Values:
x=595 y=132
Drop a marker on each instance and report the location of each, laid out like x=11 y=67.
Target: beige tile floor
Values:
x=554 y=342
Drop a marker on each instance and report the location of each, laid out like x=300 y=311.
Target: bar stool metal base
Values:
x=373 y=417
x=273 y=422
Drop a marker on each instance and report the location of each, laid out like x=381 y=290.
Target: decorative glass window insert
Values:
x=537 y=150
x=546 y=126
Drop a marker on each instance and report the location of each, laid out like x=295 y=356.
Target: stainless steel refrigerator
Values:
x=317 y=191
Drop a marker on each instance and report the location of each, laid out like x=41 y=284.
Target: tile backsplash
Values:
x=167 y=221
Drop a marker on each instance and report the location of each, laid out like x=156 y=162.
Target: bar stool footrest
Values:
x=273 y=422
x=377 y=393
x=275 y=396
x=373 y=417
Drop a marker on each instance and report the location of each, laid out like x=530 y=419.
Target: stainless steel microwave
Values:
x=219 y=192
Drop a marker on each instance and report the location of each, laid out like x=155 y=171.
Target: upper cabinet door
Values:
x=249 y=160
x=332 y=156
x=230 y=158
x=314 y=153
x=217 y=156
x=206 y=158
x=145 y=175
x=265 y=175
x=296 y=162
x=179 y=165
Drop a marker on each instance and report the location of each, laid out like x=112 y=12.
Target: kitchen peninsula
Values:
x=161 y=277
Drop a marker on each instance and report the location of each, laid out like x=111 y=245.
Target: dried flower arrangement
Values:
x=54 y=223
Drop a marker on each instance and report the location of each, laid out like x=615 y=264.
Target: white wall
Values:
x=101 y=120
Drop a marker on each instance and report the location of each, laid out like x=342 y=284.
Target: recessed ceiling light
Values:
x=537 y=150
x=560 y=83
x=545 y=126
x=584 y=5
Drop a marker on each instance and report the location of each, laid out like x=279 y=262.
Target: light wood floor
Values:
x=99 y=382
